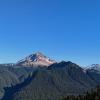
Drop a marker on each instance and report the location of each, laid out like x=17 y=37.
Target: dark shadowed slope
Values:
x=11 y=76
x=10 y=91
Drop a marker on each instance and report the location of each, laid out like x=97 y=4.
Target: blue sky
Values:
x=61 y=29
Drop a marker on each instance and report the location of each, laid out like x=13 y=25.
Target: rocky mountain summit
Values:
x=36 y=59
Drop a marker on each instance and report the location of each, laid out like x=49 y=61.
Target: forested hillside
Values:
x=93 y=95
x=52 y=83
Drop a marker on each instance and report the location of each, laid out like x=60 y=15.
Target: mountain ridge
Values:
x=51 y=80
x=55 y=81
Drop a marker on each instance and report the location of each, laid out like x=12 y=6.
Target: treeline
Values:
x=93 y=95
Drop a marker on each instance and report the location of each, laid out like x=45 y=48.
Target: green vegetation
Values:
x=52 y=83
x=93 y=95
x=55 y=82
x=11 y=76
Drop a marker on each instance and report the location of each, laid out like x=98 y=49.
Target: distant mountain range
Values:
x=38 y=77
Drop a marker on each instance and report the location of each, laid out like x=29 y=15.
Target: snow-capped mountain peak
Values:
x=36 y=59
x=95 y=67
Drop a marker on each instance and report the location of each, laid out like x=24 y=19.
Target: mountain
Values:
x=36 y=59
x=52 y=83
x=93 y=72
x=37 y=77
x=11 y=76
x=94 y=67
